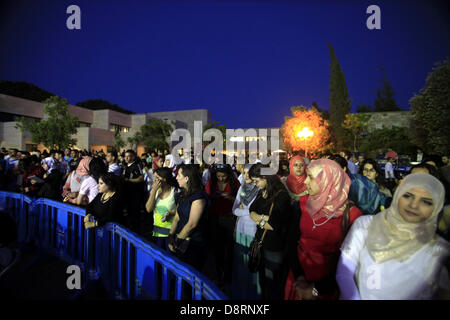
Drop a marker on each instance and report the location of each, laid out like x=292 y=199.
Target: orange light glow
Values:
x=306 y=130
x=305 y=133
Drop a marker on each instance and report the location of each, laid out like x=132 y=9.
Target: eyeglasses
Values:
x=369 y=170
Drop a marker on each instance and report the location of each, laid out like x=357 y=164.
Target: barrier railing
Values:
x=129 y=266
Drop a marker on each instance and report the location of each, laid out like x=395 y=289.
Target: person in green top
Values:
x=162 y=203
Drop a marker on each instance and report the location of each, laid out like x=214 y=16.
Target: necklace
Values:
x=104 y=199
x=321 y=224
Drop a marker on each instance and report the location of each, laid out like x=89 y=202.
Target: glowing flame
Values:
x=305 y=133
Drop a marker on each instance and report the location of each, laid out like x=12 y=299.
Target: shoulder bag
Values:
x=256 y=252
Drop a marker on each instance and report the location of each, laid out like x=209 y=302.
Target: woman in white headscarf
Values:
x=172 y=163
x=52 y=180
x=245 y=283
x=396 y=254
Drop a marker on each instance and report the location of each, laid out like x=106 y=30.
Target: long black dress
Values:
x=273 y=274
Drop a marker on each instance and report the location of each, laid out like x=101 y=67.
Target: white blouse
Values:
x=244 y=223
x=417 y=278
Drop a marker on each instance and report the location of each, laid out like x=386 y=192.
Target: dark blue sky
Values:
x=247 y=62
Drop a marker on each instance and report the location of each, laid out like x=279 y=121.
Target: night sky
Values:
x=247 y=62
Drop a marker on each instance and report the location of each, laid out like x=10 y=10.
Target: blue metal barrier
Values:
x=129 y=267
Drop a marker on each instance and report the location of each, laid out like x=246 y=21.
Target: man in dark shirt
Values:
x=380 y=154
x=134 y=190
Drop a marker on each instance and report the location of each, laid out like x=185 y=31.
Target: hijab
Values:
x=77 y=177
x=83 y=166
x=249 y=190
x=155 y=161
x=334 y=185
x=364 y=192
x=391 y=237
x=296 y=184
x=51 y=163
x=171 y=161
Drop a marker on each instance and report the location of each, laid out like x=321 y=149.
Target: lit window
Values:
x=116 y=128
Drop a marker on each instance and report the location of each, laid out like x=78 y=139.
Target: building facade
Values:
x=96 y=127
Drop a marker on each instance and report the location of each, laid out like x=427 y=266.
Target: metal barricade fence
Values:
x=129 y=267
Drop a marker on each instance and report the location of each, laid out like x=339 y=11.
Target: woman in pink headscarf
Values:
x=322 y=232
x=75 y=179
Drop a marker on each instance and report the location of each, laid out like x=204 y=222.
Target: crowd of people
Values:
x=335 y=227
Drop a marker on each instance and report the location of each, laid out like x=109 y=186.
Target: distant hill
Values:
x=99 y=104
x=32 y=92
x=24 y=90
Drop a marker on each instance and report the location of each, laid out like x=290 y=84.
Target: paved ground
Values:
x=36 y=276
x=40 y=276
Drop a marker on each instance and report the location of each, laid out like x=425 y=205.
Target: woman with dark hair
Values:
x=222 y=189
x=89 y=189
x=162 y=203
x=425 y=168
x=321 y=232
x=370 y=169
x=272 y=274
x=283 y=170
x=188 y=234
x=107 y=204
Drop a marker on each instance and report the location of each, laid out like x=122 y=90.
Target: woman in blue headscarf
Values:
x=365 y=194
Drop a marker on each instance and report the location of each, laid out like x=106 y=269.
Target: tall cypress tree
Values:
x=431 y=111
x=339 y=101
x=385 y=100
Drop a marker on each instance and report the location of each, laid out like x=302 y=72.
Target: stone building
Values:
x=96 y=127
x=389 y=119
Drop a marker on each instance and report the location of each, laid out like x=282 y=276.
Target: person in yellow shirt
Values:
x=162 y=203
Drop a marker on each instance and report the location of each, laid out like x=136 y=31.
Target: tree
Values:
x=135 y=140
x=431 y=111
x=155 y=132
x=306 y=130
x=323 y=113
x=395 y=137
x=55 y=131
x=363 y=108
x=119 y=143
x=215 y=125
x=356 y=124
x=385 y=97
x=339 y=101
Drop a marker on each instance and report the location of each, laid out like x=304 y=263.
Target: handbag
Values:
x=256 y=252
x=182 y=245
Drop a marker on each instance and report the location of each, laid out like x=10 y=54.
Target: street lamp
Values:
x=305 y=134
